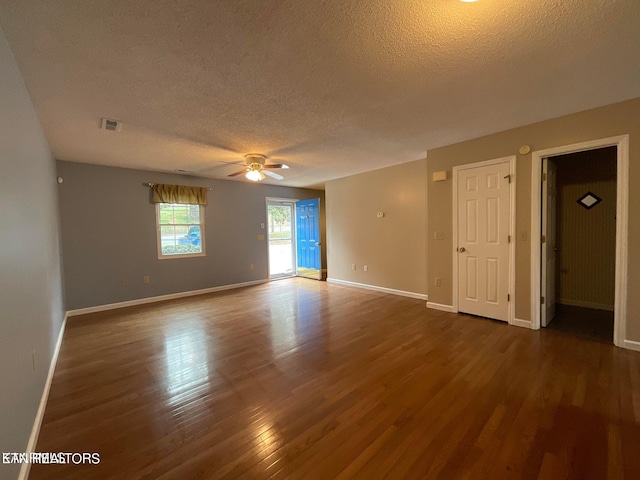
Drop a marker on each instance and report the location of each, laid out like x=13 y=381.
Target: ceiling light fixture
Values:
x=468 y=1
x=257 y=170
x=255 y=175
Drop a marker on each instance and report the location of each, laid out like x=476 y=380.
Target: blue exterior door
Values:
x=308 y=238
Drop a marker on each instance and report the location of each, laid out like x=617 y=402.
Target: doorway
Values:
x=281 y=238
x=483 y=257
x=543 y=288
x=293 y=234
x=308 y=244
x=578 y=252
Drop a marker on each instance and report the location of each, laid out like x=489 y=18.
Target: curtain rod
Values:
x=151 y=185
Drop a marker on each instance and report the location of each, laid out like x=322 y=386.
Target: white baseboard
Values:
x=632 y=345
x=392 y=291
x=161 y=298
x=441 y=307
x=579 y=303
x=521 y=323
x=35 y=431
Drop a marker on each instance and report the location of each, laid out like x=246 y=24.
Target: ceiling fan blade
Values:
x=276 y=165
x=237 y=162
x=273 y=175
x=238 y=173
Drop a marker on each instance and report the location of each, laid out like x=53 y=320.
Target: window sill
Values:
x=181 y=255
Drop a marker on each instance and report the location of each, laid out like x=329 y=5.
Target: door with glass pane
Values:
x=280 y=232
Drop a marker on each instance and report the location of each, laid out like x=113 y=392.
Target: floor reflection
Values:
x=267 y=438
x=296 y=322
x=187 y=358
x=284 y=338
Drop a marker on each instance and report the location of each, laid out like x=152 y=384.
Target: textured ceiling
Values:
x=331 y=88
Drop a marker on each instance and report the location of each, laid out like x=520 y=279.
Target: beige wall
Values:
x=586 y=238
x=392 y=247
x=612 y=120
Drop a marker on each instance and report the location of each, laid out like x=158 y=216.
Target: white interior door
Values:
x=549 y=244
x=483 y=240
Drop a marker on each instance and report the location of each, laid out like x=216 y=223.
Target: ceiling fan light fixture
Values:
x=255 y=175
x=252 y=158
x=256 y=169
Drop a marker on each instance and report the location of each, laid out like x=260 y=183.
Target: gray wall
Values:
x=31 y=306
x=109 y=234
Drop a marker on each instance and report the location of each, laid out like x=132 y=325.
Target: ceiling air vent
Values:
x=113 y=125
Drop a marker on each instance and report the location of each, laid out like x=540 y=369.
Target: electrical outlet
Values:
x=438 y=235
x=33 y=359
x=251 y=266
x=353 y=266
x=366 y=268
x=438 y=281
x=125 y=282
x=146 y=279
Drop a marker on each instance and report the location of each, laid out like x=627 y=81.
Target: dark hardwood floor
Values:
x=584 y=322
x=304 y=379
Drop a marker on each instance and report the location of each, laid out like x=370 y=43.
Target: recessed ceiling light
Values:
x=468 y=1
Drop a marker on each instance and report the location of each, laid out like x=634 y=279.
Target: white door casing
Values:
x=280 y=201
x=483 y=220
x=549 y=205
x=622 y=231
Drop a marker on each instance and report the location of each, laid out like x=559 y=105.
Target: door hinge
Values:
x=508 y=297
x=544 y=177
x=541 y=300
x=543 y=239
x=508 y=238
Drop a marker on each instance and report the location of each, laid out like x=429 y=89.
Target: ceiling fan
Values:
x=256 y=168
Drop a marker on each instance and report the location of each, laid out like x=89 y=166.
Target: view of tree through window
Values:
x=280 y=219
x=180 y=229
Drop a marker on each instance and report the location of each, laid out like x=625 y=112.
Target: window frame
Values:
x=162 y=256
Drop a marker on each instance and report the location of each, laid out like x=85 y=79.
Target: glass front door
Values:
x=280 y=219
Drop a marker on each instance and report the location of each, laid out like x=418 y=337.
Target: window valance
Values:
x=179 y=194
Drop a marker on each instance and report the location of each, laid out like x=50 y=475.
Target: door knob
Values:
x=461 y=249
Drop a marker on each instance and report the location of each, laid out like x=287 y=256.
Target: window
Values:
x=180 y=230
